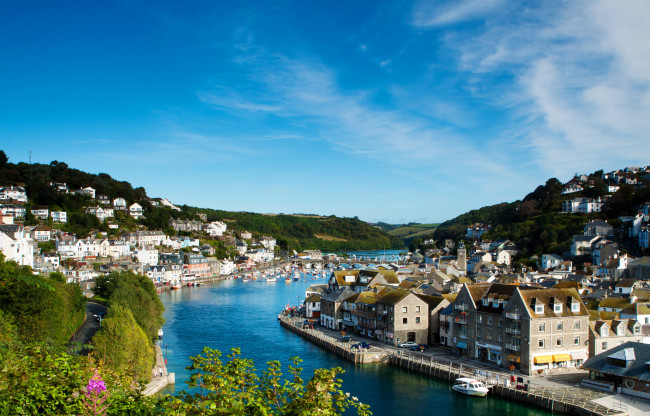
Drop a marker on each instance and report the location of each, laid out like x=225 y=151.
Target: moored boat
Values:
x=470 y=386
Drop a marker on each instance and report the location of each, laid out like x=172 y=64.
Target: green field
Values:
x=413 y=231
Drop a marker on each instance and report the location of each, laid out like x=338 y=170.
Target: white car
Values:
x=407 y=344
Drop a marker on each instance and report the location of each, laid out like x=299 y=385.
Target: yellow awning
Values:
x=543 y=359
x=514 y=358
x=561 y=357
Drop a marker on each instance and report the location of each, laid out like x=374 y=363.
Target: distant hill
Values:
x=293 y=232
x=535 y=223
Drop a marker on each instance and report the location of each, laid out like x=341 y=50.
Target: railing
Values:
x=513 y=330
x=460 y=320
x=513 y=347
x=513 y=315
x=462 y=335
x=461 y=307
x=363 y=313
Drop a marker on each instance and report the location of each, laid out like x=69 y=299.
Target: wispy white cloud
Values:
x=236 y=103
x=430 y=14
x=577 y=74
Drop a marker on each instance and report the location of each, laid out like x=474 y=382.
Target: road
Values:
x=85 y=333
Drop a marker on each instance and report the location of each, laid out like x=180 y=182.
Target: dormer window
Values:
x=486 y=301
x=539 y=309
x=575 y=306
x=557 y=307
x=604 y=330
x=637 y=329
x=495 y=303
x=620 y=330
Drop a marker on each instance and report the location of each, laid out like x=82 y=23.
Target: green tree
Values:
x=3 y=159
x=235 y=388
x=123 y=346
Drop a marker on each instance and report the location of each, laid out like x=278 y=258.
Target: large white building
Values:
x=15 y=245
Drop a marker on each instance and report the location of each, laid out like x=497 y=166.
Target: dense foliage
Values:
x=44 y=310
x=301 y=232
x=235 y=388
x=123 y=346
x=535 y=223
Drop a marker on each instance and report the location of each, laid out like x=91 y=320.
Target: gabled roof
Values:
x=634 y=355
x=432 y=301
x=392 y=296
x=338 y=295
x=614 y=303
x=639 y=308
x=549 y=297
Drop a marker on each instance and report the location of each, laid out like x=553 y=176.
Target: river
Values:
x=234 y=313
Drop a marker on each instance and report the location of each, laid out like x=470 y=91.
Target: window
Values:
x=405 y=320
x=500 y=322
x=541 y=343
x=486 y=301
x=559 y=342
x=405 y=309
x=417 y=309
x=489 y=320
x=495 y=303
x=557 y=307
x=604 y=346
x=620 y=330
x=560 y=326
x=542 y=326
x=575 y=306
x=479 y=318
x=489 y=335
x=637 y=329
x=417 y=319
x=479 y=333
x=500 y=337
x=539 y=309
x=576 y=341
x=576 y=325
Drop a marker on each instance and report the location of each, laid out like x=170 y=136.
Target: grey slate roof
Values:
x=635 y=353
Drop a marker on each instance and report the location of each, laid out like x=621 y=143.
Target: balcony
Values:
x=461 y=307
x=513 y=347
x=364 y=314
x=514 y=331
x=462 y=335
x=513 y=315
x=460 y=320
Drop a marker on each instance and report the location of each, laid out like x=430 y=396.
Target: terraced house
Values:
x=527 y=328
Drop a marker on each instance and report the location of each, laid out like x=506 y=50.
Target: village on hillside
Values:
x=465 y=297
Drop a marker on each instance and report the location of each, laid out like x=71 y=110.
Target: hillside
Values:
x=293 y=232
x=536 y=224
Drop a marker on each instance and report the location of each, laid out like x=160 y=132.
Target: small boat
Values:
x=175 y=285
x=287 y=280
x=470 y=386
x=271 y=279
x=246 y=279
x=160 y=333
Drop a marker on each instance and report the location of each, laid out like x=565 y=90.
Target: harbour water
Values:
x=234 y=313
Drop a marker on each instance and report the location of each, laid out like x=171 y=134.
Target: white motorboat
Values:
x=470 y=386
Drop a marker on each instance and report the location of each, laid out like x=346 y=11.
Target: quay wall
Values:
x=560 y=399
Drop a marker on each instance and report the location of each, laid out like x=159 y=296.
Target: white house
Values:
x=147 y=256
x=15 y=245
x=227 y=267
x=59 y=216
x=53 y=259
x=582 y=205
x=15 y=193
x=41 y=212
x=268 y=243
x=99 y=212
x=215 y=228
x=88 y=191
x=119 y=204
x=550 y=261
x=135 y=210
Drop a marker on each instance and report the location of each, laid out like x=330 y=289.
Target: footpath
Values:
x=160 y=377
x=555 y=392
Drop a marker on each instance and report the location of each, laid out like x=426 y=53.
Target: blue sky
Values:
x=390 y=111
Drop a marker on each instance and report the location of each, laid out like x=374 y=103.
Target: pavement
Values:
x=159 y=376
x=625 y=404
x=85 y=332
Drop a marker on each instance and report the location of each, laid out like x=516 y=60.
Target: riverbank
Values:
x=160 y=378
x=561 y=395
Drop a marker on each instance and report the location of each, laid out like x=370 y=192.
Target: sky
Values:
x=392 y=111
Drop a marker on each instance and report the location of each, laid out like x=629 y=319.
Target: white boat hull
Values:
x=471 y=392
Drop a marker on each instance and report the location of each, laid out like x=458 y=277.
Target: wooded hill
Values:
x=535 y=223
x=292 y=232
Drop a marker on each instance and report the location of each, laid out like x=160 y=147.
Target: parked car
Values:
x=345 y=338
x=407 y=344
x=421 y=347
x=361 y=345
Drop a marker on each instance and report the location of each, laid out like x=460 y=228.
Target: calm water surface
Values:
x=241 y=314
